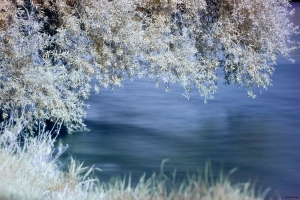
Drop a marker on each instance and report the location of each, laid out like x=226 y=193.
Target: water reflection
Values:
x=262 y=144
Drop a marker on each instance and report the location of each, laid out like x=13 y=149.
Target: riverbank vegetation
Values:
x=29 y=169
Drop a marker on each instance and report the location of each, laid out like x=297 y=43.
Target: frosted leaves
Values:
x=181 y=41
x=50 y=51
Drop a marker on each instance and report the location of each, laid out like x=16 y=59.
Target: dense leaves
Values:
x=50 y=50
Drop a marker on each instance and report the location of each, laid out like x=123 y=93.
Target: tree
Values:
x=50 y=50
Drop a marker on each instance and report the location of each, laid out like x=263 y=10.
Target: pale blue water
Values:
x=135 y=128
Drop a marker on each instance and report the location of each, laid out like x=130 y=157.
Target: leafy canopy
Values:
x=51 y=50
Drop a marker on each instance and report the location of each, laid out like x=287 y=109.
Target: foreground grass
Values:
x=30 y=170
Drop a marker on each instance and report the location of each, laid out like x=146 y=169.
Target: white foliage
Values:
x=50 y=51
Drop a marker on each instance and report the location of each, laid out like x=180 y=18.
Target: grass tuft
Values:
x=29 y=169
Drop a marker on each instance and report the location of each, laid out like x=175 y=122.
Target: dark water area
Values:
x=137 y=126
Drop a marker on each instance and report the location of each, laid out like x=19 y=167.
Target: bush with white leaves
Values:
x=51 y=50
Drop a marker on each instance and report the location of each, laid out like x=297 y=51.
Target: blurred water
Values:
x=135 y=128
